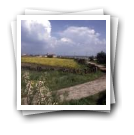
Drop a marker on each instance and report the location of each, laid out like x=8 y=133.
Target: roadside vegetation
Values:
x=56 y=80
x=100 y=58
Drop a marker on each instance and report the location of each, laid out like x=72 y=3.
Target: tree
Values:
x=91 y=58
x=101 y=57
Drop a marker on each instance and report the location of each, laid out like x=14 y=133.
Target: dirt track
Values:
x=84 y=90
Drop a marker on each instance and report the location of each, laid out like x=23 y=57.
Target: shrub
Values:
x=50 y=56
x=101 y=57
x=36 y=92
x=91 y=58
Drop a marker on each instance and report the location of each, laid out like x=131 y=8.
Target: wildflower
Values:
x=37 y=91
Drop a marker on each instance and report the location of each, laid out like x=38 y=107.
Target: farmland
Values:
x=56 y=62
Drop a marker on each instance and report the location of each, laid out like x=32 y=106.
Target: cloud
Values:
x=34 y=35
x=38 y=26
x=81 y=35
x=82 y=40
x=66 y=40
x=36 y=39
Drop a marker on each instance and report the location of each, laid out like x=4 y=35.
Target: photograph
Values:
x=63 y=61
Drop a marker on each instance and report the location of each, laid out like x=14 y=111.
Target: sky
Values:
x=63 y=37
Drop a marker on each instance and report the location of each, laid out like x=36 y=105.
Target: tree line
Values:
x=100 y=58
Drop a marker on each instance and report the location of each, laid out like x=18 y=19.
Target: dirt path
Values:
x=84 y=90
x=101 y=67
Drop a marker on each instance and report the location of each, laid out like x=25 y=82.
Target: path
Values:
x=101 y=67
x=84 y=90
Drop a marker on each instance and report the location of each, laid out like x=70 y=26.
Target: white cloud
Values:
x=35 y=35
x=42 y=28
x=45 y=23
x=67 y=40
x=80 y=34
x=81 y=40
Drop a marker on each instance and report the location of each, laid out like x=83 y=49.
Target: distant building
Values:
x=39 y=56
x=23 y=54
x=54 y=56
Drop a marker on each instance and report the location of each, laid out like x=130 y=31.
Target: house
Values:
x=54 y=56
x=24 y=55
x=39 y=56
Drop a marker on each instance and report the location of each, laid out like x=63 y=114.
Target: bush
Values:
x=91 y=58
x=50 y=56
x=81 y=61
x=101 y=57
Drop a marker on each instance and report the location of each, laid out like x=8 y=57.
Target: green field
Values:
x=56 y=62
x=56 y=80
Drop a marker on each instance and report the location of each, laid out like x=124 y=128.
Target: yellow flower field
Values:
x=69 y=63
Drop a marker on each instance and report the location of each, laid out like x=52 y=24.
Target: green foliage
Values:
x=35 y=92
x=91 y=58
x=56 y=80
x=50 y=56
x=101 y=57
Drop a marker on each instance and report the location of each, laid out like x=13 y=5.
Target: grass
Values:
x=97 y=99
x=56 y=80
x=56 y=62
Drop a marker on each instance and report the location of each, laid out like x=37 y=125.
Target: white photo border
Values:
x=63 y=107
